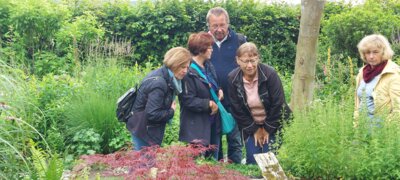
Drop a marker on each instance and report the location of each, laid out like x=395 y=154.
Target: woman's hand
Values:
x=220 y=94
x=213 y=107
x=173 y=105
x=261 y=137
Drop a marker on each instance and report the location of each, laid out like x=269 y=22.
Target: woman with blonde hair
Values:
x=154 y=105
x=378 y=82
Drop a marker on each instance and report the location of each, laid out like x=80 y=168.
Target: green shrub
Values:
x=274 y=28
x=12 y=50
x=346 y=29
x=122 y=138
x=157 y=27
x=335 y=75
x=94 y=105
x=91 y=110
x=5 y=6
x=322 y=143
x=55 y=139
x=77 y=34
x=47 y=62
x=18 y=106
x=37 y=21
x=53 y=92
x=86 y=141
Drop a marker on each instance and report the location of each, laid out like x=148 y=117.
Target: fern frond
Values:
x=38 y=160
x=55 y=168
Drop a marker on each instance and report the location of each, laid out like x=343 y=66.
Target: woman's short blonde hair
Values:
x=375 y=41
x=247 y=48
x=176 y=57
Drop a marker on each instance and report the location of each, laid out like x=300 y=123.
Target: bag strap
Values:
x=197 y=68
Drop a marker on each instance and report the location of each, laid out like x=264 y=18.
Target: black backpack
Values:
x=125 y=105
x=125 y=102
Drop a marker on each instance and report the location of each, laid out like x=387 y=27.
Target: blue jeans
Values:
x=215 y=140
x=138 y=143
x=235 y=146
x=251 y=149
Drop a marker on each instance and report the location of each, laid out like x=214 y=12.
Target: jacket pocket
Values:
x=155 y=132
x=251 y=129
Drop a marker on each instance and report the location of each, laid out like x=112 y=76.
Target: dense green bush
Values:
x=275 y=29
x=4 y=18
x=67 y=29
x=323 y=143
x=346 y=29
x=47 y=62
x=37 y=22
x=157 y=27
x=74 y=37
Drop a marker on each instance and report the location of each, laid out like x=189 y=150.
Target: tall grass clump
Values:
x=17 y=108
x=93 y=107
x=323 y=142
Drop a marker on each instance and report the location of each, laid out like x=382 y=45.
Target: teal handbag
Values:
x=227 y=120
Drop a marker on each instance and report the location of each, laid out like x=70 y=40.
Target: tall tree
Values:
x=306 y=55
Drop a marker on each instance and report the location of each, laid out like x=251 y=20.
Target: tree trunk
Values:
x=306 y=55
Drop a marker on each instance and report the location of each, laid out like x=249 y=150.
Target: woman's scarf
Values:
x=177 y=83
x=370 y=72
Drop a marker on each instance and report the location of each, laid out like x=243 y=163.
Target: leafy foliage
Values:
x=346 y=29
x=93 y=106
x=37 y=21
x=275 y=29
x=333 y=148
x=4 y=17
x=335 y=76
x=86 y=141
x=176 y=162
x=44 y=169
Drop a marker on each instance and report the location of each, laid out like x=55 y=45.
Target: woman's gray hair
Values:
x=217 y=11
x=375 y=41
x=247 y=48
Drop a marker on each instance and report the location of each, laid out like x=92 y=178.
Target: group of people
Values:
x=221 y=61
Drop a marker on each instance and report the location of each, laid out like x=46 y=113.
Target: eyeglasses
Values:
x=251 y=61
x=216 y=26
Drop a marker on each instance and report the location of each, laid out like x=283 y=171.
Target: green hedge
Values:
x=68 y=30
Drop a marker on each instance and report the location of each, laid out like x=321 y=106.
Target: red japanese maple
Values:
x=172 y=162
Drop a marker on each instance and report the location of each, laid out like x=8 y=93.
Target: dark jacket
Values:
x=271 y=94
x=152 y=107
x=195 y=121
x=223 y=59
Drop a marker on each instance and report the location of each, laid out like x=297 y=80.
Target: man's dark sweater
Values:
x=223 y=59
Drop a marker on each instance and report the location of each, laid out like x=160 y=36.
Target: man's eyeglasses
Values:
x=216 y=26
x=251 y=61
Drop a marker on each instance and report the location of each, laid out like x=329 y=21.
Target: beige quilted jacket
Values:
x=386 y=93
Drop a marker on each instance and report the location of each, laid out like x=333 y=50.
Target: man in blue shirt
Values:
x=223 y=59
